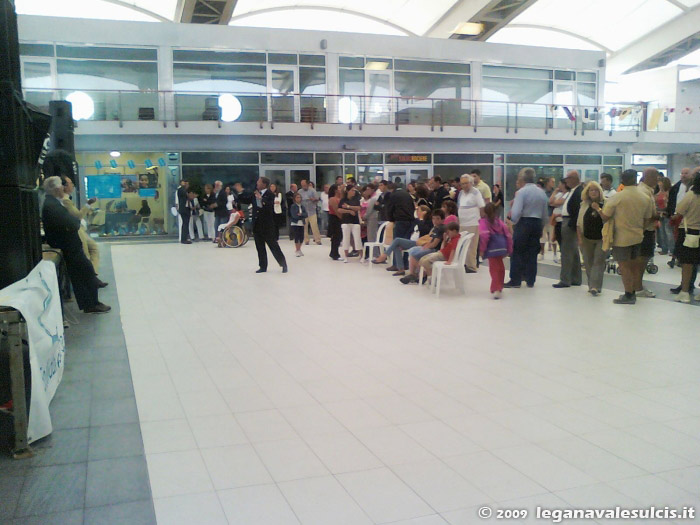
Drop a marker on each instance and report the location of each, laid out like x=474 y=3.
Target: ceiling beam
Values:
x=496 y=15
x=205 y=11
x=659 y=47
x=461 y=11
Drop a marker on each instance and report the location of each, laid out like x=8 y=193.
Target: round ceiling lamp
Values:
x=231 y=108
x=347 y=111
x=83 y=105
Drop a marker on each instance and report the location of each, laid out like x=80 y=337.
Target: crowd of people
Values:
x=585 y=225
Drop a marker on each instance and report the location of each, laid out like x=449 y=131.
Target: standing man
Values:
x=481 y=185
x=264 y=231
x=206 y=201
x=289 y=198
x=570 y=274
x=606 y=183
x=631 y=210
x=400 y=210
x=650 y=179
x=309 y=198
x=470 y=203
x=324 y=208
x=678 y=191
x=529 y=213
x=383 y=195
x=438 y=192
x=221 y=214
x=184 y=212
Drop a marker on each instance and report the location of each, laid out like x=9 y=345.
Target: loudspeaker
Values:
x=62 y=126
x=9 y=45
x=20 y=235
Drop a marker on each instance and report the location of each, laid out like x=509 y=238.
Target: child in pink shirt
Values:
x=494 y=230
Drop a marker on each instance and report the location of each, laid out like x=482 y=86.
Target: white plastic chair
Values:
x=379 y=243
x=462 y=235
x=457 y=266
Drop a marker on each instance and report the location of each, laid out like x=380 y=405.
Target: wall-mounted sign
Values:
x=408 y=158
x=649 y=159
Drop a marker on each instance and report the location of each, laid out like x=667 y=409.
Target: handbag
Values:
x=422 y=241
x=692 y=240
x=497 y=246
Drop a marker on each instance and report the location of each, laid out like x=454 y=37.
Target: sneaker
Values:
x=496 y=295
x=624 y=299
x=410 y=278
x=99 y=308
x=645 y=293
x=341 y=259
x=556 y=260
x=683 y=297
x=301 y=253
x=540 y=257
x=594 y=292
x=344 y=260
x=354 y=253
x=297 y=254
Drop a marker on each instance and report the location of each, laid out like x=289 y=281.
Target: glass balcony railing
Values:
x=349 y=110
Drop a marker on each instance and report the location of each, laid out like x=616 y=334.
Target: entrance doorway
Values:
x=402 y=175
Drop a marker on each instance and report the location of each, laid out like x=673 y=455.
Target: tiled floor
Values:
x=334 y=394
x=92 y=468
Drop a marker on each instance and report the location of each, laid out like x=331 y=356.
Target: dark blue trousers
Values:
x=526 y=246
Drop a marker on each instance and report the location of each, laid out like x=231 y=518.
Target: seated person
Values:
x=234 y=217
x=422 y=249
x=450 y=209
x=446 y=253
x=422 y=227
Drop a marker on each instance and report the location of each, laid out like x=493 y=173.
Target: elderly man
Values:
x=309 y=199
x=62 y=232
x=470 y=204
x=632 y=211
x=529 y=213
x=570 y=274
x=650 y=180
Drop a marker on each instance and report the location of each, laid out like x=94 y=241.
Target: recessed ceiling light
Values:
x=377 y=66
x=115 y=154
x=469 y=28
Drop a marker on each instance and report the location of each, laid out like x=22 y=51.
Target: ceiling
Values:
x=635 y=34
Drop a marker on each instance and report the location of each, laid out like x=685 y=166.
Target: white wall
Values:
x=688 y=97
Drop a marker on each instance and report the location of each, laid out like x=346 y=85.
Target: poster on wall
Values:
x=148 y=183
x=129 y=183
x=104 y=186
x=38 y=299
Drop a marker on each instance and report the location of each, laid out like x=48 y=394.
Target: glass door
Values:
x=588 y=173
x=379 y=106
x=38 y=81
x=283 y=101
x=565 y=101
x=402 y=175
x=285 y=176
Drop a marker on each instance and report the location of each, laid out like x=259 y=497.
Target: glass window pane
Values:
x=584 y=76
x=452 y=172
x=205 y=106
x=225 y=57
x=219 y=78
x=108 y=53
x=587 y=95
x=463 y=158
x=287 y=158
x=36 y=50
x=107 y=75
x=201 y=175
x=584 y=159
x=431 y=85
x=352 y=82
x=516 y=72
x=367 y=174
x=219 y=157
x=281 y=58
x=378 y=63
x=517 y=90
x=617 y=160
x=564 y=75
x=349 y=158
x=312 y=60
x=437 y=67
x=329 y=158
x=327 y=175
x=37 y=75
x=527 y=158
x=541 y=171
x=351 y=62
x=455 y=111
x=312 y=86
x=370 y=158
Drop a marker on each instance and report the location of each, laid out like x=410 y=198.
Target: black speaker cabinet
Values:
x=62 y=126
x=9 y=45
x=20 y=235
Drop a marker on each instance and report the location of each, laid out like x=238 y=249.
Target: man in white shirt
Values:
x=324 y=208
x=470 y=204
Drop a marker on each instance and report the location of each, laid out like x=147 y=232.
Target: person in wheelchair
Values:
x=234 y=218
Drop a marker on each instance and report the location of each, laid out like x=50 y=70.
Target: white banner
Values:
x=38 y=299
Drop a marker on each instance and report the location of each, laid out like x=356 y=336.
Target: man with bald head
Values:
x=650 y=179
x=570 y=274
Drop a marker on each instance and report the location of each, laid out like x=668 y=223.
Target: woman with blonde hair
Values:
x=590 y=234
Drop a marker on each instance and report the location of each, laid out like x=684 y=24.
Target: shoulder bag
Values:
x=692 y=240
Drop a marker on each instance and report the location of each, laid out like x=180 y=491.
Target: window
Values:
x=223 y=57
x=287 y=158
x=329 y=158
x=431 y=67
x=36 y=50
x=527 y=158
x=219 y=157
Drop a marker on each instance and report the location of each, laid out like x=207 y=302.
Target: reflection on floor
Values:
x=334 y=394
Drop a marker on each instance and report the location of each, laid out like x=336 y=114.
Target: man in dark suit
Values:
x=264 y=231
x=221 y=213
x=61 y=230
x=570 y=273
x=185 y=212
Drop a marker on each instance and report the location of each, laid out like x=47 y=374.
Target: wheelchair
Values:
x=234 y=237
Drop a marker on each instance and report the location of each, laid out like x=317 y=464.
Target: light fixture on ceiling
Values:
x=82 y=105
x=347 y=110
x=231 y=108
x=469 y=28
x=115 y=154
x=377 y=66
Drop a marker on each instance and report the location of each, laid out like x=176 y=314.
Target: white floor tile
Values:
x=204 y=509
x=383 y=496
x=235 y=466
x=440 y=439
x=265 y=425
x=356 y=415
x=246 y=399
x=343 y=453
x=290 y=459
x=178 y=473
x=167 y=436
x=320 y=501
x=204 y=403
x=311 y=421
x=217 y=431
x=393 y=446
x=260 y=504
